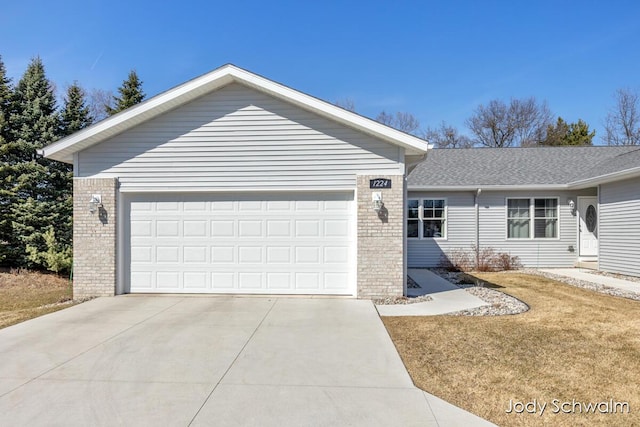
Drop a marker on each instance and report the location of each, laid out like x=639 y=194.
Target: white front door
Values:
x=588 y=226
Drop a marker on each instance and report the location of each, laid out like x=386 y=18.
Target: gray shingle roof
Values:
x=520 y=166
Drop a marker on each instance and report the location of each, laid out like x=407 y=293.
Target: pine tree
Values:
x=6 y=95
x=563 y=133
x=75 y=114
x=39 y=189
x=130 y=94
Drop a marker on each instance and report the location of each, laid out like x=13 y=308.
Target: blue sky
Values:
x=435 y=59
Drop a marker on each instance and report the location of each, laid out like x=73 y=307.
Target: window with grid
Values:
x=518 y=218
x=545 y=218
x=433 y=218
x=532 y=218
x=426 y=218
x=413 y=218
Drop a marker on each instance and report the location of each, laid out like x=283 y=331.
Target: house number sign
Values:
x=380 y=183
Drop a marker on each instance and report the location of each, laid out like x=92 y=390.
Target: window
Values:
x=426 y=218
x=545 y=218
x=518 y=218
x=544 y=212
x=413 y=218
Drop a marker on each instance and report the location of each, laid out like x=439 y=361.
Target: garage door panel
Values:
x=195 y=279
x=278 y=254
x=223 y=254
x=194 y=254
x=250 y=254
x=307 y=280
x=280 y=281
x=276 y=243
x=223 y=280
x=249 y=228
x=223 y=228
x=195 y=228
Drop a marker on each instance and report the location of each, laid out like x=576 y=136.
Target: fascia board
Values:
x=488 y=187
x=604 y=179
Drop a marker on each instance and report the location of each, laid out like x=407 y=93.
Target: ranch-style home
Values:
x=232 y=183
x=550 y=206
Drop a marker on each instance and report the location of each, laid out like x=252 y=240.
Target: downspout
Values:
x=409 y=167
x=476 y=198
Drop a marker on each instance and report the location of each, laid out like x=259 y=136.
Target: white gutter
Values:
x=576 y=185
x=488 y=187
x=603 y=179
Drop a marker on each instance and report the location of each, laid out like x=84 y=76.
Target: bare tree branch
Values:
x=99 y=101
x=447 y=136
x=346 y=103
x=622 y=124
x=521 y=123
x=406 y=122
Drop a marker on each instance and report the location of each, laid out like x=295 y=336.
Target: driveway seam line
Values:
x=89 y=349
x=232 y=362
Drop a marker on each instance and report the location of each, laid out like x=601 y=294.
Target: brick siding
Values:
x=94 y=238
x=381 y=239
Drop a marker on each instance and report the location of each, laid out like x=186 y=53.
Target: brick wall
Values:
x=381 y=239
x=94 y=238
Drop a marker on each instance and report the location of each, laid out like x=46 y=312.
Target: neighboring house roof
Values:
x=64 y=149
x=532 y=167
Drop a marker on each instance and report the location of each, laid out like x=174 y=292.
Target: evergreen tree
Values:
x=6 y=95
x=130 y=94
x=39 y=189
x=563 y=133
x=75 y=114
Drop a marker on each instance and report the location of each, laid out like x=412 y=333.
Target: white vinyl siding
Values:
x=461 y=230
x=238 y=138
x=619 y=227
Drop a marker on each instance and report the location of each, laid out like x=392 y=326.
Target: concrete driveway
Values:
x=171 y=360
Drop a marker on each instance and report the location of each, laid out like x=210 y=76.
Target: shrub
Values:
x=57 y=258
x=457 y=260
x=483 y=259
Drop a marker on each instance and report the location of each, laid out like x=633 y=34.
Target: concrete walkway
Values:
x=446 y=297
x=587 y=276
x=224 y=361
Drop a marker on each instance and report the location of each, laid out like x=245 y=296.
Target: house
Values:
x=550 y=206
x=233 y=183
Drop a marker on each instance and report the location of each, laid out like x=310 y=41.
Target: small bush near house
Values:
x=488 y=259
x=458 y=259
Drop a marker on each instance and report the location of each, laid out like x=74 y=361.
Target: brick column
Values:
x=94 y=238
x=380 y=239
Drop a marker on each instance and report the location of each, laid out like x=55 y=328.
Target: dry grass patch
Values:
x=28 y=294
x=573 y=344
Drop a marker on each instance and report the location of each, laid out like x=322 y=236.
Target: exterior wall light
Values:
x=572 y=205
x=377 y=201
x=95 y=203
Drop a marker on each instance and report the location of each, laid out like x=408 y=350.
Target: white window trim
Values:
x=420 y=220
x=531 y=218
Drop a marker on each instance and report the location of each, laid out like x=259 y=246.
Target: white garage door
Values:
x=267 y=244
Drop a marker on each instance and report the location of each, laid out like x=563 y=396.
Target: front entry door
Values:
x=588 y=226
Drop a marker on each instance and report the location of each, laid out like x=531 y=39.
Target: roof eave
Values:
x=607 y=178
x=510 y=187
